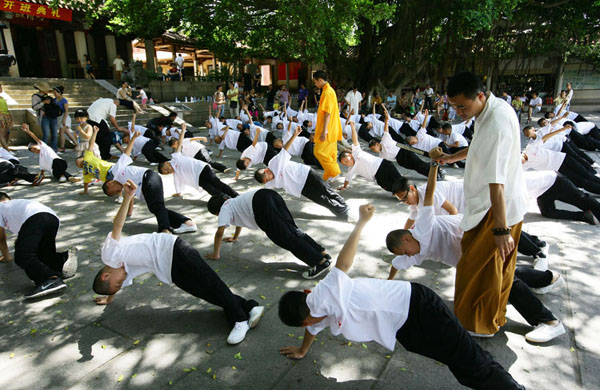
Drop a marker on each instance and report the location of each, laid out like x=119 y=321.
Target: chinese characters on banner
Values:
x=38 y=10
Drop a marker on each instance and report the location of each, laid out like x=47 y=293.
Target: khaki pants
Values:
x=483 y=280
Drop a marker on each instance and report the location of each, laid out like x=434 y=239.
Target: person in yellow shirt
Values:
x=329 y=127
x=93 y=167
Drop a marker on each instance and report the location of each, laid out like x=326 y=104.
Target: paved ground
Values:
x=156 y=336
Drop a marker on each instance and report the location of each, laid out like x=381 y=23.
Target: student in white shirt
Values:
x=453 y=140
x=191 y=147
x=142 y=96
x=149 y=187
x=299 y=179
x=36 y=226
x=536 y=157
x=301 y=146
x=560 y=142
x=437 y=237
x=386 y=311
x=546 y=187
x=173 y=261
x=99 y=113
x=266 y=210
x=49 y=160
x=144 y=145
x=535 y=105
x=193 y=173
x=424 y=141
x=256 y=153
x=233 y=140
x=11 y=170
x=387 y=149
x=589 y=141
x=368 y=166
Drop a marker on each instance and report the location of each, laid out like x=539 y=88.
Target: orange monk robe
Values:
x=326 y=151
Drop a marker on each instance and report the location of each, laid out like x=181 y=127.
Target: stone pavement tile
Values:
x=49 y=361
x=407 y=370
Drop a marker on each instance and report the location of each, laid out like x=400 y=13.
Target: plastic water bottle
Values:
x=186 y=100
x=176 y=99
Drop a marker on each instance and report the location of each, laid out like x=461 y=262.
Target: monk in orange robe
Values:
x=328 y=130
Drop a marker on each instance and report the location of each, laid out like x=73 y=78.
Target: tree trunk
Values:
x=560 y=71
x=150 y=55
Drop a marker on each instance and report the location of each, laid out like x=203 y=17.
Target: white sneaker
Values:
x=545 y=249
x=238 y=333
x=595 y=165
x=544 y=332
x=70 y=266
x=185 y=229
x=541 y=264
x=255 y=315
x=62 y=179
x=153 y=164
x=543 y=290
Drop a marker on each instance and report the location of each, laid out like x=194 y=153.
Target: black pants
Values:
x=203 y=155
x=126 y=103
x=242 y=143
x=35 y=248
x=308 y=155
x=407 y=130
x=397 y=137
x=468 y=133
x=587 y=143
x=565 y=191
x=211 y=184
x=319 y=192
x=579 y=118
x=386 y=175
x=594 y=133
x=363 y=133
x=152 y=189
x=274 y=218
x=190 y=273
x=270 y=140
x=410 y=160
x=527 y=304
x=582 y=157
x=432 y=126
x=528 y=244
x=270 y=153
x=10 y=171
x=152 y=155
x=149 y=133
x=59 y=168
x=433 y=331
x=580 y=176
x=103 y=138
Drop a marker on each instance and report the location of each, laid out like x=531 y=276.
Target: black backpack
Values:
x=52 y=110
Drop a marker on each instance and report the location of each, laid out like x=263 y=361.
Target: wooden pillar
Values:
x=150 y=55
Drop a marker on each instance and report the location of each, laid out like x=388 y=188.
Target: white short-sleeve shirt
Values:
x=540 y=158
x=238 y=211
x=584 y=127
x=15 y=212
x=102 y=109
x=425 y=141
x=122 y=172
x=361 y=309
x=6 y=155
x=287 y=174
x=494 y=157
x=365 y=164
x=140 y=254
x=297 y=146
x=389 y=150
x=256 y=153
x=191 y=148
x=451 y=191
x=187 y=171
x=439 y=239
x=231 y=139
x=538 y=182
x=47 y=156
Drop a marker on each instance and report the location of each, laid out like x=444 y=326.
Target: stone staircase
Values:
x=79 y=93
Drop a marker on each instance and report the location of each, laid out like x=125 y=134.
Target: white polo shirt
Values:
x=140 y=254
x=287 y=174
x=354 y=99
x=15 y=212
x=297 y=146
x=187 y=171
x=365 y=164
x=538 y=182
x=584 y=127
x=5 y=154
x=361 y=309
x=455 y=137
x=191 y=148
x=238 y=211
x=451 y=191
x=494 y=157
x=439 y=239
x=256 y=153
x=389 y=150
x=101 y=110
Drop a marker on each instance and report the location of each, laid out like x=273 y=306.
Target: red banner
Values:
x=38 y=10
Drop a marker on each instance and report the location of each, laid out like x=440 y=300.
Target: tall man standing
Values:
x=496 y=201
x=329 y=127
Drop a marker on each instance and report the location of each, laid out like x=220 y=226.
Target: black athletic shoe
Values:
x=45 y=288
x=317 y=270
